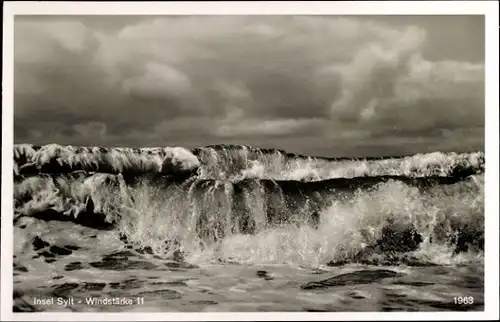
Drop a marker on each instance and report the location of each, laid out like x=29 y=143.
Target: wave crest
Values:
x=236 y=163
x=54 y=158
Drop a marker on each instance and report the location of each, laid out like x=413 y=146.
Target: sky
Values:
x=316 y=85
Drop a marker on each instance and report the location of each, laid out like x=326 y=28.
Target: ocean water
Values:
x=236 y=228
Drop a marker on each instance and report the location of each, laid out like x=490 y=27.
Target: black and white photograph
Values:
x=261 y=162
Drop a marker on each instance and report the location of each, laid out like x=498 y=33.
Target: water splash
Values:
x=259 y=221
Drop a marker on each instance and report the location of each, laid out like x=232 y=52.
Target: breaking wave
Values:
x=54 y=158
x=384 y=219
x=235 y=162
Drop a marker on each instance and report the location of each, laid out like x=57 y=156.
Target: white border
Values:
x=488 y=8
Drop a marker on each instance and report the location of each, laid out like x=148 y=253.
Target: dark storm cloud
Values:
x=318 y=85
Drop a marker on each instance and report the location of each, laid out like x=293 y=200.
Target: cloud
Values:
x=157 y=81
x=268 y=128
x=242 y=79
x=91 y=130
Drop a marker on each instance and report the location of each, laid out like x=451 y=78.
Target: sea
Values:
x=235 y=228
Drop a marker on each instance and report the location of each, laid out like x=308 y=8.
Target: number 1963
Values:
x=463 y=300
